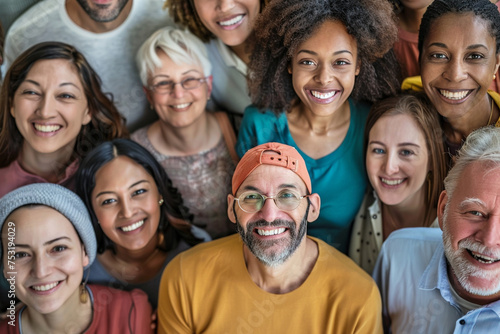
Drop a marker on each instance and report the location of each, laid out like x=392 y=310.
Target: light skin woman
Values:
x=405 y=163
x=52 y=112
x=459 y=58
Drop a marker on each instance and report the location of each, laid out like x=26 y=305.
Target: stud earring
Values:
x=160 y=201
x=494 y=76
x=151 y=107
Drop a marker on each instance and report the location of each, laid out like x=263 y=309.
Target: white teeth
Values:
x=45 y=287
x=181 y=106
x=392 y=182
x=231 y=21
x=322 y=96
x=454 y=95
x=271 y=232
x=47 y=128
x=132 y=227
x=483 y=258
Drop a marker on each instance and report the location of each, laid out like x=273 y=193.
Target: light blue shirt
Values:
x=416 y=294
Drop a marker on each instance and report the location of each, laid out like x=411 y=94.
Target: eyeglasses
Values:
x=167 y=86
x=286 y=200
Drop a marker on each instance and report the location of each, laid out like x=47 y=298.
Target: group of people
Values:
x=132 y=133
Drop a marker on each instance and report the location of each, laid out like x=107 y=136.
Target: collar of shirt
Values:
x=230 y=58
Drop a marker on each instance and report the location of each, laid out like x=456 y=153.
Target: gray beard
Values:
x=102 y=15
x=259 y=248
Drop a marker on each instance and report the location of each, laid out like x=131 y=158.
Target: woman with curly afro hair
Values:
x=227 y=25
x=323 y=62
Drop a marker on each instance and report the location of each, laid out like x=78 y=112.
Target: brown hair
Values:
x=106 y=122
x=423 y=112
x=184 y=13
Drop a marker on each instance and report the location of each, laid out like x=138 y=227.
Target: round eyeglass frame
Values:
x=275 y=199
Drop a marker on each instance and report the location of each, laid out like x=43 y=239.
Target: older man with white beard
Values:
x=271 y=278
x=449 y=282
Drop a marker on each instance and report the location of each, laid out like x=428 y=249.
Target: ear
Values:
x=148 y=94
x=12 y=114
x=85 y=257
x=230 y=210
x=443 y=200
x=87 y=117
x=314 y=207
x=497 y=65
x=209 y=85
x=290 y=68
x=358 y=68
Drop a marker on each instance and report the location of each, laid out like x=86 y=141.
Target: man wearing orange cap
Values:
x=271 y=278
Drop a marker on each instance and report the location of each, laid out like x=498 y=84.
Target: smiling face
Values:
x=471 y=233
x=49 y=259
x=229 y=20
x=271 y=234
x=50 y=107
x=103 y=10
x=181 y=107
x=397 y=160
x=458 y=62
x=125 y=201
x=324 y=68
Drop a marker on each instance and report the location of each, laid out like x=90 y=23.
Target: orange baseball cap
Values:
x=287 y=157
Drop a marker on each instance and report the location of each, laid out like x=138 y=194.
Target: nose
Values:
x=41 y=266
x=489 y=233
x=324 y=75
x=225 y=5
x=269 y=211
x=46 y=108
x=391 y=164
x=178 y=90
x=127 y=208
x=456 y=70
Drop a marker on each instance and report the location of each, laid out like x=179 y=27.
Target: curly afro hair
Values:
x=285 y=24
x=481 y=8
x=184 y=13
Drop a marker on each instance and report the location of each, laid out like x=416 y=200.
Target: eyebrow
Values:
x=400 y=144
x=60 y=85
x=315 y=54
x=111 y=192
x=183 y=73
x=470 y=47
x=471 y=201
x=281 y=186
x=45 y=243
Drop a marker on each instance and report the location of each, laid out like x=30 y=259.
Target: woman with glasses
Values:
x=195 y=147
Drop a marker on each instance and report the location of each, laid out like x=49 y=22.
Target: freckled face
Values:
x=50 y=107
x=125 y=201
x=458 y=62
x=49 y=259
x=229 y=20
x=324 y=68
x=397 y=159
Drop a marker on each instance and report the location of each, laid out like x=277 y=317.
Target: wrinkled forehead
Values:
x=270 y=179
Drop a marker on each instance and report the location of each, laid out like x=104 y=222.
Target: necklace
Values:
x=491 y=113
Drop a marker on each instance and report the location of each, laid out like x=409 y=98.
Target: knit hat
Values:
x=287 y=157
x=59 y=198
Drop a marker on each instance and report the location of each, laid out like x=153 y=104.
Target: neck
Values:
x=242 y=52
x=200 y=136
x=139 y=256
x=287 y=276
x=84 y=21
x=409 y=213
x=481 y=115
x=319 y=125
x=72 y=317
x=410 y=20
x=50 y=166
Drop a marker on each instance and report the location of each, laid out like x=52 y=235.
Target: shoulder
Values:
x=40 y=10
x=141 y=136
x=414 y=237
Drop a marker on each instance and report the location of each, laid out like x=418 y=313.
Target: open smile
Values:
x=45 y=288
x=392 y=182
x=482 y=258
x=181 y=106
x=132 y=227
x=323 y=97
x=455 y=95
x=232 y=22
x=46 y=128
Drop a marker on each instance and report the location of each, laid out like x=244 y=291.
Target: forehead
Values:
x=460 y=28
x=121 y=171
x=398 y=128
x=181 y=65
x=269 y=179
x=479 y=180
x=329 y=38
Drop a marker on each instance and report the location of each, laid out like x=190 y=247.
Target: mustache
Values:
x=274 y=223
x=477 y=247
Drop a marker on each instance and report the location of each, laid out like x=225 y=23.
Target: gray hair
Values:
x=481 y=145
x=180 y=45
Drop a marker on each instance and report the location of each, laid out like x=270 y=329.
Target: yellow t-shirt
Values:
x=208 y=289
